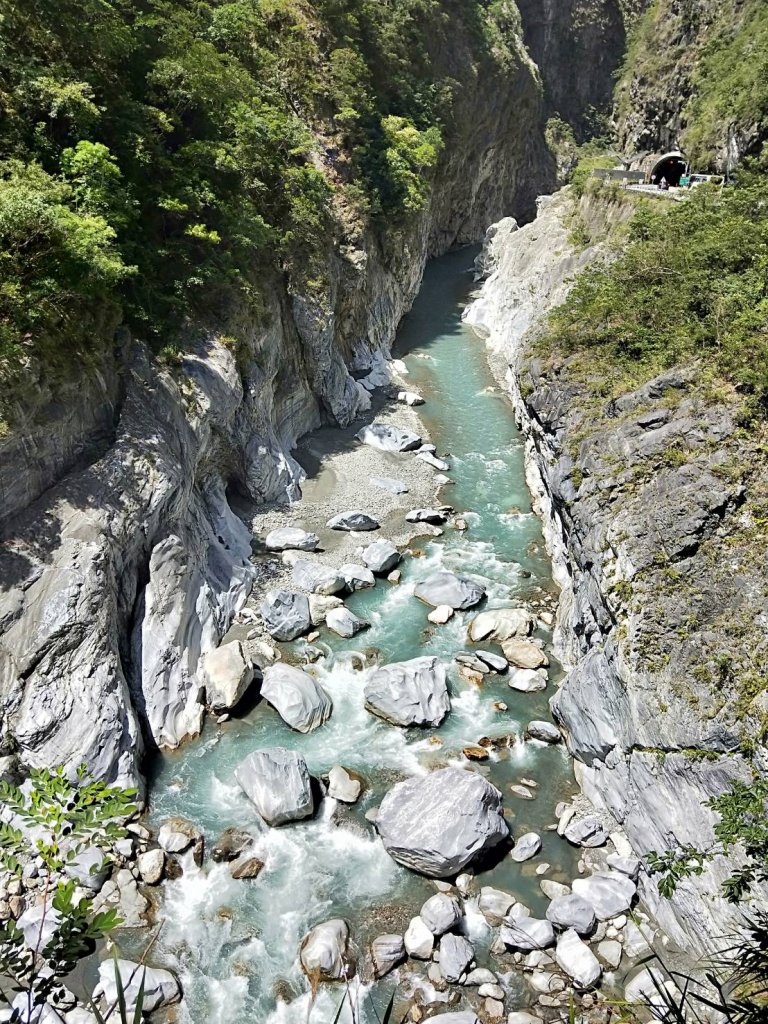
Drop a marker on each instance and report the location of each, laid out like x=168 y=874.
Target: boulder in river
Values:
x=441 y=913
x=439 y=823
x=291 y=538
x=609 y=894
x=298 y=698
x=449 y=588
x=388 y=483
x=409 y=692
x=525 y=847
x=495 y=904
x=342 y=786
x=277 y=782
x=285 y=614
x=177 y=835
x=419 y=940
x=231 y=843
x=528 y=680
x=388 y=438
x=357 y=577
x=344 y=622
x=495 y=662
x=525 y=934
x=440 y=615
x=501 y=624
x=436 y=516
x=410 y=398
x=524 y=654
x=387 y=953
x=577 y=960
x=161 y=988
x=433 y=461
x=325 y=953
x=456 y=954
x=572 y=911
x=227 y=672
x=320 y=605
x=354 y=521
x=317 y=578
x=382 y=556
x=545 y=732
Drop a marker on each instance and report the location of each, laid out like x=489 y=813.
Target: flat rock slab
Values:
x=288 y=538
x=388 y=438
x=277 y=783
x=433 y=461
x=577 y=960
x=409 y=692
x=495 y=662
x=527 y=933
x=354 y=521
x=298 y=698
x=444 y=587
x=390 y=484
x=285 y=614
x=439 y=823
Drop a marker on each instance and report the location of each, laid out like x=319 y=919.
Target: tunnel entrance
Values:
x=670 y=166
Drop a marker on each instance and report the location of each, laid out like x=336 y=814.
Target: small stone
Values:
x=395 y=576
x=522 y=791
x=419 y=940
x=246 y=866
x=543 y=868
x=525 y=847
x=494 y=1008
x=491 y=991
x=475 y=753
x=440 y=615
x=151 y=866
x=610 y=952
x=480 y=976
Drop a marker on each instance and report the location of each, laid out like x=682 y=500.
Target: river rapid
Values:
x=235 y=943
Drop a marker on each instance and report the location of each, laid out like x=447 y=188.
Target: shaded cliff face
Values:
x=650 y=502
x=131 y=564
x=578 y=46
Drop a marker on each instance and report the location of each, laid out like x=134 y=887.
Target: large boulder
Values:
x=227 y=673
x=317 y=578
x=354 y=521
x=298 y=698
x=528 y=680
x=288 y=538
x=345 y=623
x=525 y=847
x=419 y=940
x=500 y=624
x=577 y=960
x=320 y=605
x=387 y=953
x=544 y=732
x=381 y=556
x=525 y=934
x=610 y=894
x=285 y=615
x=572 y=911
x=177 y=835
x=440 y=913
x=445 y=587
x=409 y=692
x=343 y=786
x=325 y=953
x=587 y=832
x=357 y=577
x=277 y=782
x=439 y=823
x=436 y=516
x=524 y=654
x=161 y=988
x=456 y=954
x=388 y=438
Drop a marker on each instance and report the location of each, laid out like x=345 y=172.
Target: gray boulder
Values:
x=439 y=823
x=525 y=847
x=285 y=615
x=500 y=624
x=572 y=911
x=545 y=732
x=343 y=786
x=357 y=577
x=629 y=866
x=587 y=832
x=609 y=894
x=456 y=954
x=354 y=521
x=444 y=587
x=325 y=954
x=298 y=698
x=528 y=680
x=288 y=538
x=382 y=556
x=437 y=516
x=387 y=952
x=433 y=461
x=495 y=662
x=161 y=988
x=409 y=692
x=227 y=673
x=388 y=483
x=277 y=782
x=320 y=605
x=527 y=933
x=344 y=622
x=441 y=913
x=317 y=578
x=495 y=904
x=577 y=960
x=388 y=438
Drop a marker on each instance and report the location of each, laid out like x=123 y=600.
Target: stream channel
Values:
x=235 y=943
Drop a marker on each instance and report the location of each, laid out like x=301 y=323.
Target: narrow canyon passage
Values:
x=236 y=942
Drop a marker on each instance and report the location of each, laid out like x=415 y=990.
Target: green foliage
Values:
x=743 y=820
x=591 y=158
x=55 y=820
x=691 y=280
x=673 y=866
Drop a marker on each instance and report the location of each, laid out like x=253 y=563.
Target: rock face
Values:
x=324 y=952
x=626 y=633
x=438 y=824
x=285 y=615
x=409 y=692
x=277 y=782
x=298 y=698
x=458 y=592
x=227 y=672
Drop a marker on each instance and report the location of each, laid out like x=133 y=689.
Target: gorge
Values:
x=140 y=486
